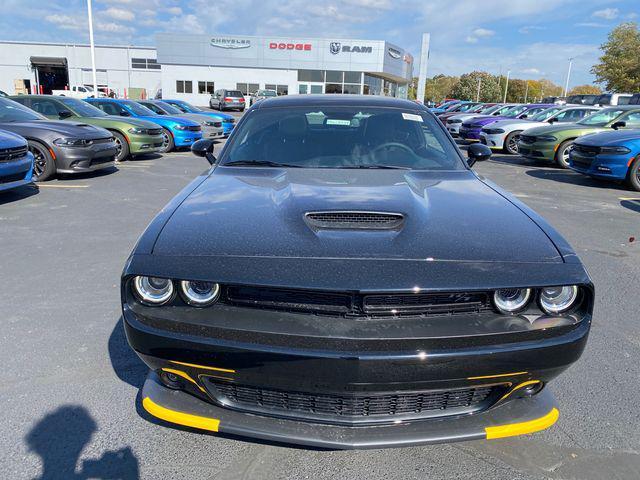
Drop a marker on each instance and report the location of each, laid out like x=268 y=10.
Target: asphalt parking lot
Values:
x=71 y=406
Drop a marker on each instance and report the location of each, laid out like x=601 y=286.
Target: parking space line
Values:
x=629 y=198
x=44 y=185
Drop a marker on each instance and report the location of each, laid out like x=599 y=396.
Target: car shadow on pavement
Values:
x=518 y=161
x=18 y=193
x=103 y=172
x=573 y=178
x=632 y=204
x=126 y=364
x=59 y=439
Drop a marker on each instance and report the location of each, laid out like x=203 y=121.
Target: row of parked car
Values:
x=45 y=135
x=602 y=142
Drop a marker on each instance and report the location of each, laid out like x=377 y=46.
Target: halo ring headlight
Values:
x=511 y=300
x=554 y=300
x=153 y=290
x=199 y=294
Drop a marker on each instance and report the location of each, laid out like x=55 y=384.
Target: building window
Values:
x=184 y=86
x=311 y=75
x=280 y=89
x=333 y=88
x=334 y=77
x=352 y=77
x=206 y=87
x=248 y=88
x=145 y=63
x=351 y=88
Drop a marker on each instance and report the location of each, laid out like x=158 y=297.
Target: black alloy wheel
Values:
x=43 y=164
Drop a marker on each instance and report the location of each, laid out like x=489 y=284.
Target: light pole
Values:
x=93 y=52
x=506 y=87
x=478 y=92
x=526 y=91
x=566 y=85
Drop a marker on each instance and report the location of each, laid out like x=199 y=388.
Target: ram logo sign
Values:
x=337 y=47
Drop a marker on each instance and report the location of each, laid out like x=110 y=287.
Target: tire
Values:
x=44 y=167
x=511 y=143
x=562 y=154
x=220 y=107
x=210 y=105
x=167 y=141
x=633 y=177
x=123 y=147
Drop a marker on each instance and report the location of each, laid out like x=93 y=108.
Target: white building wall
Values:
x=223 y=77
x=113 y=65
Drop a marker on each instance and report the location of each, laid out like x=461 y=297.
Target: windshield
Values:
x=604 y=99
x=342 y=137
x=137 y=109
x=545 y=114
x=602 y=117
x=186 y=107
x=467 y=107
x=478 y=109
x=234 y=93
x=267 y=93
x=11 y=111
x=490 y=110
x=81 y=108
x=514 y=111
x=170 y=109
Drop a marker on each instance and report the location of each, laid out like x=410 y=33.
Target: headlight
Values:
x=231 y=120
x=511 y=300
x=137 y=131
x=209 y=124
x=492 y=131
x=72 y=142
x=615 y=150
x=181 y=127
x=455 y=120
x=546 y=138
x=199 y=294
x=558 y=299
x=153 y=290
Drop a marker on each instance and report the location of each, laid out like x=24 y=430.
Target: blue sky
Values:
x=532 y=38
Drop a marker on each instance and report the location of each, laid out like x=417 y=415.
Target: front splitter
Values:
x=516 y=417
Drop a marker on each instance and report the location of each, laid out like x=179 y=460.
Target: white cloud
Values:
x=592 y=25
x=118 y=14
x=606 y=13
x=478 y=33
x=530 y=28
x=531 y=71
x=174 y=10
x=66 y=22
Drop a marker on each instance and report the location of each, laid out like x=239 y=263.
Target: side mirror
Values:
x=124 y=114
x=204 y=148
x=477 y=153
x=524 y=116
x=552 y=120
x=618 y=125
x=64 y=114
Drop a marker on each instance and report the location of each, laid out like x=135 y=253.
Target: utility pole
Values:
x=93 y=51
x=566 y=85
x=478 y=92
x=526 y=91
x=506 y=87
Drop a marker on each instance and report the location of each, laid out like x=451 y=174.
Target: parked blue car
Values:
x=176 y=132
x=228 y=121
x=612 y=155
x=16 y=161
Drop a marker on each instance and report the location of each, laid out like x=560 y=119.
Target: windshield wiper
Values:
x=381 y=167
x=259 y=163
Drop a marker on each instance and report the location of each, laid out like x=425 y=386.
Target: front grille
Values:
x=527 y=138
x=356 y=304
x=581 y=162
x=12 y=153
x=195 y=128
x=217 y=124
x=102 y=140
x=355 y=220
x=154 y=131
x=12 y=178
x=358 y=407
x=586 y=149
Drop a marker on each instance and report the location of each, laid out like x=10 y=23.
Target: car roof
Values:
x=335 y=100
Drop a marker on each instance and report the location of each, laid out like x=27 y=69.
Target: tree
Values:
x=517 y=90
x=585 y=90
x=619 y=67
x=467 y=87
x=439 y=87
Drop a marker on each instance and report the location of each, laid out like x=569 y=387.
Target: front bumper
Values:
x=518 y=417
x=85 y=159
x=492 y=141
x=185 y=138
x=454 y=129
x=16 y=173
x=209 y=131
x=612 y=167
x=538 y=150
x=470 y=134
x=144 y=143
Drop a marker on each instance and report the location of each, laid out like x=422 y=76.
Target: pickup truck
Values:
x=78 y=91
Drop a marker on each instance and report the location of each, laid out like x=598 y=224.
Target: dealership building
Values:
x=191 y=67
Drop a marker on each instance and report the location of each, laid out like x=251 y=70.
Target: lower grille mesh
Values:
x=359 y=405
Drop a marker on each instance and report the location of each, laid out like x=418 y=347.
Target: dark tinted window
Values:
x=234 y=93
x=11 y=111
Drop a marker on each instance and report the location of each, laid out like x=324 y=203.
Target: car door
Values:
x=48 y=107
x=632 y=119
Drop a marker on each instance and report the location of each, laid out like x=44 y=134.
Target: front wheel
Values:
x=44 y=166
x=562 y=154
x=511 y=142
x=167 y=141
x=633 y=177
x=122 y=147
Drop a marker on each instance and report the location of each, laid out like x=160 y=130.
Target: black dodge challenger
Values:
x=341 y=278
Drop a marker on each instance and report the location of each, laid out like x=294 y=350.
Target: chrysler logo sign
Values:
x=393 y=53
x=337 y=47
x=232 y=43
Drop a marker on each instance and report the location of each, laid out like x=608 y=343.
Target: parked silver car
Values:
x=227 y=100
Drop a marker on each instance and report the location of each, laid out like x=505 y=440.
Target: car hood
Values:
x=516 y=124
x=137 y=122
x=11 y=140
x=196 y=117
x=484 y=119
x=72 y=129
x=550 y=129
x=260 y=212
x=168 y=121
x=610 y=138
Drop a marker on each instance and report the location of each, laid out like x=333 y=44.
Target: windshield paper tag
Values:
x=337 y=121
x=412 y=116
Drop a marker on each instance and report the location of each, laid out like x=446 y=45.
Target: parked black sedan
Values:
x=58 y=146
x=341 y=278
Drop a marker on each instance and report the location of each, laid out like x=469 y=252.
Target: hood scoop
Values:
x=354 y=220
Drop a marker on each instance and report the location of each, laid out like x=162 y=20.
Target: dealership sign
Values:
x=393 y=53
x=231 y=43
x=289 y=46
x=337 y=47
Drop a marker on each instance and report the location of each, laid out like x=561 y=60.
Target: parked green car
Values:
x=132 y=136
x=553 y=142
